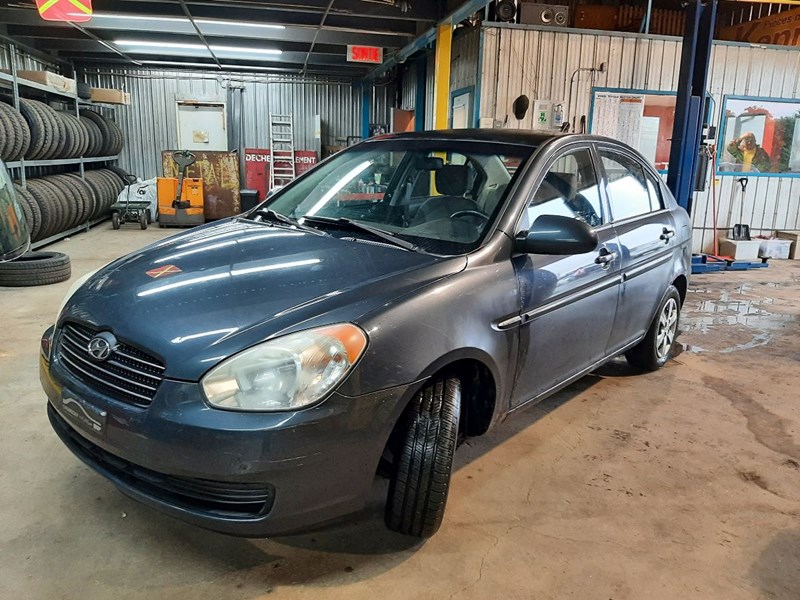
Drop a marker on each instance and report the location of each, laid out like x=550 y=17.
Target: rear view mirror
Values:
x=429 y=163
x=556 y=234
x=15 y=238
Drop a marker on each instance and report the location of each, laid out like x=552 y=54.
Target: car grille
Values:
x=129 y=374
x=216 y=498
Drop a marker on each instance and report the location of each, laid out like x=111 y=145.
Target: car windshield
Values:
x=436 y=196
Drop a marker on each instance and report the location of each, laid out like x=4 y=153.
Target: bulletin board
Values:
x=643 y=119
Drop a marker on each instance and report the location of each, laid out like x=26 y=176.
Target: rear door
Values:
x=646 y=233
x=568 y=303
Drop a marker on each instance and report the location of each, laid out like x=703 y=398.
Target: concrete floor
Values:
x=680 y=484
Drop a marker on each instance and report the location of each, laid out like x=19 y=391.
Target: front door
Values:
x=646 y=233
x=568 y=303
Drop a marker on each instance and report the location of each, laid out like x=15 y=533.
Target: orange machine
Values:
x=172 y=216
x=180 y=201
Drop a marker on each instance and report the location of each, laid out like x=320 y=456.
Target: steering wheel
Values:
x=470 y=213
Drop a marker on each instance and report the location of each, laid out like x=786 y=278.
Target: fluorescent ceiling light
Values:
x=183 y=46
x=246 y=50
x=238 y=23
x=176 y=63
x=185 y=20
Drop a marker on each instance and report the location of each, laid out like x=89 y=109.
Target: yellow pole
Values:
x=441 y=84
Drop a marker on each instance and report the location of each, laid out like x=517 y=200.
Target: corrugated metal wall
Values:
x=408 y=87
x=150 y=122
x=464 y=63
x=463 y=72
x=27 y=62
x=542 y=63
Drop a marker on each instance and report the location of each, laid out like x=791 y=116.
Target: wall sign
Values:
x=642 y=119
x=759 y=136
x=365 y=54
x=782 y=29
x=257 y=165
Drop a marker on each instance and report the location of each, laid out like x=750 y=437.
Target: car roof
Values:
x=522 y=137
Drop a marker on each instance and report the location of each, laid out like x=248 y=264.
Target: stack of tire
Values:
x=55 y=203
x=38 y=132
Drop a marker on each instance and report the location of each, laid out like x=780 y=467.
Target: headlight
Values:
x=286 y=373
x=72 y=289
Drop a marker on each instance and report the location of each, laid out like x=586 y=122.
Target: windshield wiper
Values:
x=277 y=217
x=344 y=223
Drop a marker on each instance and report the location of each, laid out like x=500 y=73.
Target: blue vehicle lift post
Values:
x=701 y=16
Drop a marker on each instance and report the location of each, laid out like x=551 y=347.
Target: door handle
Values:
x=666 y=234
x=606 y=257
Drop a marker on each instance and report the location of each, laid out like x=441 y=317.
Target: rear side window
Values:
x=630 y=190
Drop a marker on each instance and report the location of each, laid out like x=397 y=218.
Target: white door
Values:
x=462 y=106
x=202 y=126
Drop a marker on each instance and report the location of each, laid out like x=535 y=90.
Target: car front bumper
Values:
x=245 y=474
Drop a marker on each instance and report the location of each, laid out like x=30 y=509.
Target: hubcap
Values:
x=667 y=327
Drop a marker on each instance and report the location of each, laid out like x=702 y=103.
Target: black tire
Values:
x=86 y=194
x=54 y=129
x=143 y=220
x=39 y=133
x=94 y=136
x=24 y=131
x=25 y=197
x=84 y=90
x=107 y=135
x=115 y=222
x=76 y=201
x=7 y=137
x=427 y=441
x=653 y=351
x=36 y=268
x=59 y=200
x=149 y=216
x=49 y=208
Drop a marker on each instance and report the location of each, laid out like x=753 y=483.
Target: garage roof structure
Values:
x=300 y=37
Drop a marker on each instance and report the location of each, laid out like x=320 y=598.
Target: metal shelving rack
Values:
x=21 y=166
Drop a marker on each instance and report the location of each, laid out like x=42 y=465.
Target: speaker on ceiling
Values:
x=550 y=15
x=505 y=10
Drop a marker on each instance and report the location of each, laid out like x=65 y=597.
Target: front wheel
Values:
x=421 y=479
x=115 y=222
x=143 y=220
x=653 y=351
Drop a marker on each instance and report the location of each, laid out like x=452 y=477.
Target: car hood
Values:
x=201 y=296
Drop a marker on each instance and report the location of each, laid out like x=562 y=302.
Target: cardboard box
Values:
x=110 y=96
x=774 y=248
x=740 y=249
x=58 y=82
x=794 y=237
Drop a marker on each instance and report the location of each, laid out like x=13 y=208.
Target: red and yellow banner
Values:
x=72 y=11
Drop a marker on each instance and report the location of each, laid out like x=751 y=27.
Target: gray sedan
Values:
x=251 y=375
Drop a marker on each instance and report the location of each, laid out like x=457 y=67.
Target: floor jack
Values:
x=180 y=201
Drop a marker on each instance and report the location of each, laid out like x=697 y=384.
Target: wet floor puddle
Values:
x=704 y=316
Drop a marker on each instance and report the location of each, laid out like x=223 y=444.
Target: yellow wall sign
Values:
x=782 y=29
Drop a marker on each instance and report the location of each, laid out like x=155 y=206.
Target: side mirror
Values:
x=556 y=234
x=15 y=238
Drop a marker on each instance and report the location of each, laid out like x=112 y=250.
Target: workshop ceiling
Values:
x=271 y=35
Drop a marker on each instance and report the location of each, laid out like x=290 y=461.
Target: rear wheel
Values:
x=653 y=351
x=427 y=442
x=143 y=220
x=115 y=222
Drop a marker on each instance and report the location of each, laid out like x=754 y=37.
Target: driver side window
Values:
x=569 y=189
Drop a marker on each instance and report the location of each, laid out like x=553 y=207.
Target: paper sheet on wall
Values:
x=618 y=116
x=648 y=138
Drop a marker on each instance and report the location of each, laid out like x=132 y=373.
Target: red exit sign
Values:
x=365 y=54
